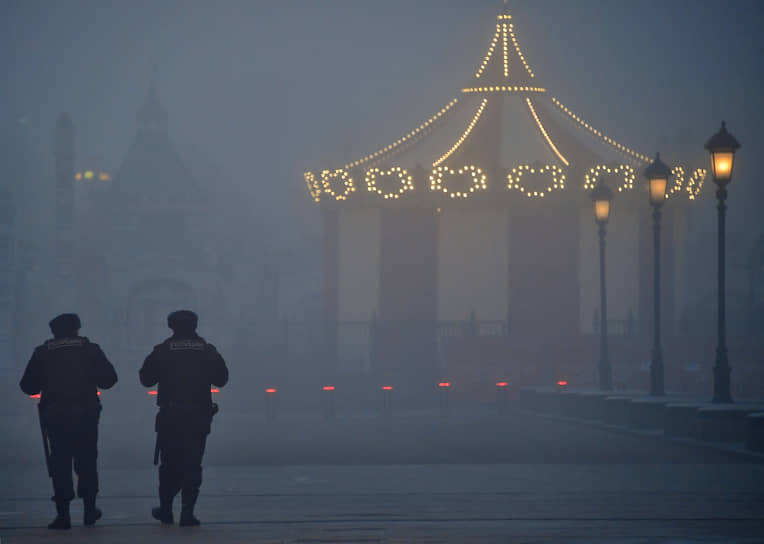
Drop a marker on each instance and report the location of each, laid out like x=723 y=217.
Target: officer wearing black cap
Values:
x=184 y=366
x=66 y=371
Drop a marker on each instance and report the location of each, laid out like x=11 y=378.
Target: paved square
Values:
x=596 y=486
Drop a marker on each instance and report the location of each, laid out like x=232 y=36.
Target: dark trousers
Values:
x=74 y=443
x=182 y=450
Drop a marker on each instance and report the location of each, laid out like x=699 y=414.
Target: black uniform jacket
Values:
x=67 y=372
x=184 y=367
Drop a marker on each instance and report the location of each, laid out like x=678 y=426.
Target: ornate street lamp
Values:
x=602 y=197
x=722 y=147
x=657 y=175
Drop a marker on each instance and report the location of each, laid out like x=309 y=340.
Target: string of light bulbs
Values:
x=489 y=54
x=404 y=139
x=606 y=139
x=544 y=132
x=464 y=136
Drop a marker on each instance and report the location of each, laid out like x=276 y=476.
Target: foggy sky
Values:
x=269 y=89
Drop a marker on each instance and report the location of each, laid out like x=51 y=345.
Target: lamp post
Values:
x=657 y=175
x=602 y=196
x=722 y=147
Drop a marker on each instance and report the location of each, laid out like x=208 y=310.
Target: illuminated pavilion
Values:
x=466 y=248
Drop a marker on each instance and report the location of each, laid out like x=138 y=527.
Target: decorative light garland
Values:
x=464 y=136
x=629 y=174
x=558 y=178
x=606 y=139
x=677 y=173
x=490 y=52
x=506 y=50
x=478 y=180
x=327 y=176
x=544 y=132
x=504 y=89
x=404 y=139
x=695 y=184
x=313 y=186
x=407 y=181
x=519 y=53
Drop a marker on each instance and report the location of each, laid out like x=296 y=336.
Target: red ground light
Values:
x=328 y=388
x=444 y=384
x=387 y=387
x=270 y=390
x=214 y=390
x=38 y=395
x=152 y=392
x=562 y=383
x=501 y=384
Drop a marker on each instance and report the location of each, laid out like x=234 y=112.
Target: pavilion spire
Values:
x=504 y=61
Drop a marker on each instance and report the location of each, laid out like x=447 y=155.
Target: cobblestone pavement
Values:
x=671 y=493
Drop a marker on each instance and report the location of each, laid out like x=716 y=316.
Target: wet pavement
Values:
x=594 y=486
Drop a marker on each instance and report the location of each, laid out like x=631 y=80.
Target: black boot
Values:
x=188 y=501
x=163 y=513
x=92 y=513
x=62 y=521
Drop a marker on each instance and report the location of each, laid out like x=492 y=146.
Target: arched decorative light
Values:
x=553 y=171
x=478 y=182
x=595 y=172
x=405 y=179
x=328 y=176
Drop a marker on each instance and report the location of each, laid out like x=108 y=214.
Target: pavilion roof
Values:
x=505 y=109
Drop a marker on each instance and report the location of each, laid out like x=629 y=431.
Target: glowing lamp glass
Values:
x=37 y=396
x=562 y=383
x=721 y=165
x=601 y=210
x=387 y=387
x=152 y=392
x=328 y=388
x=214 y=390
x=270 y=390
x=501 y=384
x=444 y=384
x=657 y=188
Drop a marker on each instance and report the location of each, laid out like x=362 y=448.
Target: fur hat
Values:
x=182 y=321
x=65 y=325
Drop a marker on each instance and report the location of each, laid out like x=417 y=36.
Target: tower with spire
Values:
x=158 y=259
x=64 y=213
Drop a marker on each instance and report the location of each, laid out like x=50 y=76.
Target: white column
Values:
x=358 y=281
x=473 y=264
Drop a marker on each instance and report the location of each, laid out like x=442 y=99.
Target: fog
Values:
x=203 y=118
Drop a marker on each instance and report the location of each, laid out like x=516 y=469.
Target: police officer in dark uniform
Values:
x=66 y=371
x=184 y=366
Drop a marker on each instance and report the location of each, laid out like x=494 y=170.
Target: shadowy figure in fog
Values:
x=66 y=371
x=184 y=366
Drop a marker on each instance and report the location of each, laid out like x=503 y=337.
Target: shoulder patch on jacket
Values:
x=66 y=343
x=179 y=345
